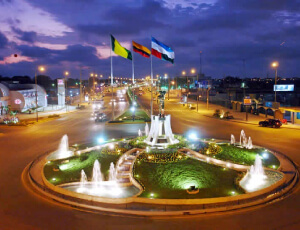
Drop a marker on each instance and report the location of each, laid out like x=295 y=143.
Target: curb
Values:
x=156 y=208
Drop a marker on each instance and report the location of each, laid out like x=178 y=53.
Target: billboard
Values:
x=247 y=101
x=286 y=88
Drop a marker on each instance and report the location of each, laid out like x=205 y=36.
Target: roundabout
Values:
x=193 y=176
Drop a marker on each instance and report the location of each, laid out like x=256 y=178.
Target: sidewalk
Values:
x=47 y=112
x=239 y=117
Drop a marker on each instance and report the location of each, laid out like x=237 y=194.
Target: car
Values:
x=95 y=113
x=100 y=117
x=275 y=123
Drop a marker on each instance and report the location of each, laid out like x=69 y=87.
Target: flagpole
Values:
x=112 y=82
x=132 y=67
x=151 y=83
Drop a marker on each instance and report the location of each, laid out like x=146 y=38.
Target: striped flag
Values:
x=120 y=50
x=142 y=50
x=162 y=51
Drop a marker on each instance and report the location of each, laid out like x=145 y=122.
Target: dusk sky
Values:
x=66 y=34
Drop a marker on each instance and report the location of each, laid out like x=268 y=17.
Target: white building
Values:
x=22 y=97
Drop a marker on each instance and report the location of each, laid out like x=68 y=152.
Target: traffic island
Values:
x=132 y=117
x=131 y=177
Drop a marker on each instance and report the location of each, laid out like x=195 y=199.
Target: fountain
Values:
x=243 y=139
x=112 y=173
x=249 y=144
x=146 y=129
x=97 y=175
x=139 y=133
x=255 y=179
x=62 y=151
x=232 y=139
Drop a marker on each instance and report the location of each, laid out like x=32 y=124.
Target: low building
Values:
x=21 y=97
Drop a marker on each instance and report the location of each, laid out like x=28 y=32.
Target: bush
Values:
x=165 y=156
x=211 y=149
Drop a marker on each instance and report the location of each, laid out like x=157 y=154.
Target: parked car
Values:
x=100 y=117
x=275 y=123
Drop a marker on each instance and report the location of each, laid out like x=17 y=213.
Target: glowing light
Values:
x=193 y=136
x=132 y=109
x=228 y=165
x=265 y=155
x=100 y=140
x=54 y=179
x=111 y=146
x=275 y=64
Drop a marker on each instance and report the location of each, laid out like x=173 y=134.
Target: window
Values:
x=298 y=115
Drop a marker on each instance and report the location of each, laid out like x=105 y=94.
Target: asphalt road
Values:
x=20 y=209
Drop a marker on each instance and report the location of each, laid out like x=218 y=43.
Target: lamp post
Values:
x=183 y=74
x=166 y=77
x=41 y=69
x=275 y=65
x=207 y=98
x=66 y=73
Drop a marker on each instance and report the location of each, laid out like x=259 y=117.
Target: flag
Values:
x=142 y=50
x=120 y=50
x=162 y=51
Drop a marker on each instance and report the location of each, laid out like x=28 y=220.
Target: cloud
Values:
x=3 y=40
x=25 y=36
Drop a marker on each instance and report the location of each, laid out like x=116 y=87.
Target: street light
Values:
x=66 y=75
x=193 y=71
x=41 y=69
x=275 y=66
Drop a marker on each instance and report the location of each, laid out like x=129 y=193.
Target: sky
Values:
x=238 y=38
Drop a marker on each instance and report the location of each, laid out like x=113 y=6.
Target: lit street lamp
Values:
x=275 y=65
x=66 y=78
x=41 y=69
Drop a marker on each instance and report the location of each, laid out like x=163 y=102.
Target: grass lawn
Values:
x=70 y=171
x=246 y=156
x=171 y=180
x=140 y=115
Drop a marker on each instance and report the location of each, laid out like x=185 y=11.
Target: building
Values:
x=21 y=97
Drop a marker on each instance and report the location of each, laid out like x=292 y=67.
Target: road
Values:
x=20 y=209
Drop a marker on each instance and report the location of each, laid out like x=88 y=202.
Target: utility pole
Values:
x=80 y=86
x=207 y=98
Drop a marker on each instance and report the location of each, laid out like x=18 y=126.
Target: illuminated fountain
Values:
x=255 y=179
x=97 y=186
x=243 y=139
x=232 y=139
x=139 y=133
x=62 y=151
x=249 y=143
x=146 y=129
x=112 y=173
x=97 y=176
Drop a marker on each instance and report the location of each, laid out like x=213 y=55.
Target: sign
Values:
x=286 y=88
x=60 y=82
x=18 y=101
x=247 y=101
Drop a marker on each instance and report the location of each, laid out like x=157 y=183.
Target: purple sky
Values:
x=66 y=34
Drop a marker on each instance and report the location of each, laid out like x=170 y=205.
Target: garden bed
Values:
x=171 y=180
x=245 y=156
x=68 y=170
